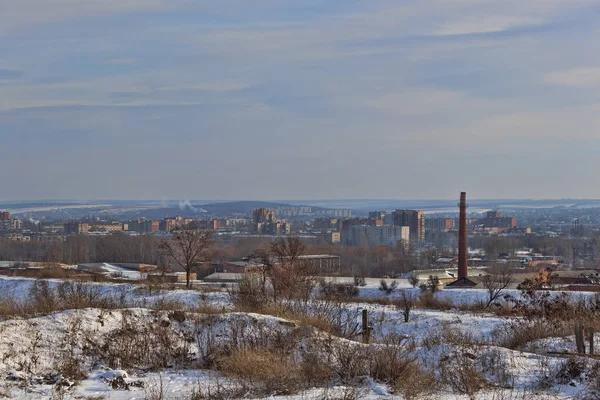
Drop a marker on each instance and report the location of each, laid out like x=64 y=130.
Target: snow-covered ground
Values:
x=19 y=288
x=32 y=349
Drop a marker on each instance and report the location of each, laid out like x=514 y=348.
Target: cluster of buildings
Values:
x=492 y=223
x=140 y=226
x=312 y=212
x=380 y=229
x=383 y=228
x=9 y=227
x=265 y=223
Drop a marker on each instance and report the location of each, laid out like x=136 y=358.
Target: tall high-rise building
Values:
x=369 y=235
x=440 y=224
x=377 y=215
x=263 y=215
x=414 y=219
x=265 y=223
x=4 y=216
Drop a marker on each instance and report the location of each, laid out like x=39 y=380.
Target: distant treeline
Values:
x=364 y=261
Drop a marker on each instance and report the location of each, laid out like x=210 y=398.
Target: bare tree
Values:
x=406 y=303
x=264 y=265
x=188 y=247
x=292 y=276
x=495 y=284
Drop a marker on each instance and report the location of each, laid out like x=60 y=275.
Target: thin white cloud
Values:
x=485 y=24
x=587 y=77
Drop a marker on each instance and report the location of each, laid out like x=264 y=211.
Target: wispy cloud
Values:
x=485 y=24
x=319 y=83
x=586 y=77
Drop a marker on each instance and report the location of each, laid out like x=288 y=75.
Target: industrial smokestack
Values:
x=462 y=237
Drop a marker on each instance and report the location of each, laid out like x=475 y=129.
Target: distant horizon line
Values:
x=296 y=200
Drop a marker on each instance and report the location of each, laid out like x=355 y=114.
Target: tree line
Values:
x=361 y=261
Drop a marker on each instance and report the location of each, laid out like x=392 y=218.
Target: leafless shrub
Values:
x=450 y=336
x=250 y=294
x=571 y=369
x=521 y=332
x=337 y=290
x=414 y=280
x=387 y=288
x=592 y=387
x=360 y=280
x=495 y=364
x=391 y=359
x=415 y=383
x=314 y=368
x=68 y=362
x=429 y=301
x=405 y=303
x=217 y=389
x=431 y=285
x=30 y=355
x=137 y=344
x=347 y=360
x=459 y=373
x=78 y=294
x=262 y=371
x=155 y=390
x=43 y=298
x=495 y=285
x=166 y=304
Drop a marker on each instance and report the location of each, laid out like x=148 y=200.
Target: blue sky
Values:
x=303 y=99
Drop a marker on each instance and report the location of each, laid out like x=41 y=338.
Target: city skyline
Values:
x=155 y=99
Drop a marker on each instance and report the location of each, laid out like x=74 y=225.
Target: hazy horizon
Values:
x=95 y=200
x=306 y=99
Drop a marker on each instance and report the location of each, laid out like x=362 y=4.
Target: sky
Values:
x=299 y=99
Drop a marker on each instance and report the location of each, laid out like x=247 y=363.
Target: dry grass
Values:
x=68 y=295
x=521 y=332
x=459 y=372
x=263 y=371
x=415 y=383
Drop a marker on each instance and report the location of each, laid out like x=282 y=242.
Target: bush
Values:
x=349 y=360
x=251 y=293
x=428 y=300
x=360 y=281
x=391 y=360
x=388 y=289
x=450 y=336
x=459 y=373
x=405 y=303
x=414 y=280
x=431 y=285
x=329 y=289
x=571 y=369
x=521 y=332
x=263 y=371
x=415 y=383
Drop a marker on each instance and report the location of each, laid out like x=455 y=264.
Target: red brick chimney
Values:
x=462 y=237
